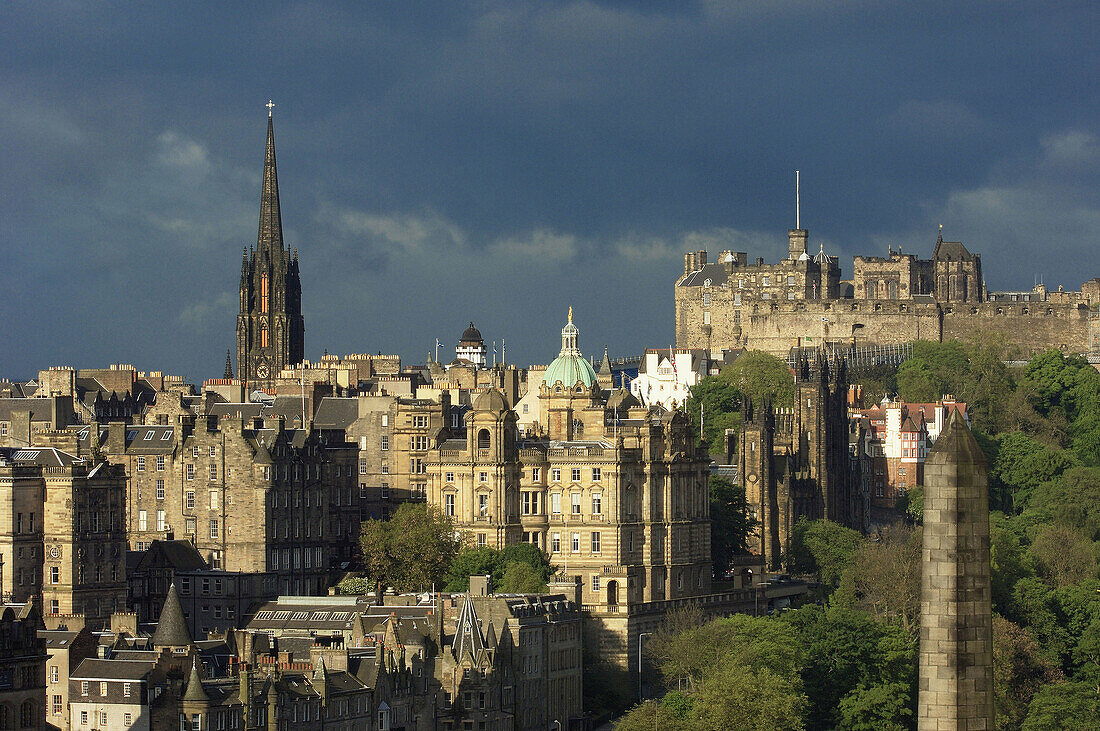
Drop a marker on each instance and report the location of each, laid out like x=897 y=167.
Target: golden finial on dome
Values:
x=570 y=313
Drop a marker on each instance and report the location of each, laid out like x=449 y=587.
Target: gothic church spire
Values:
x=271 y=221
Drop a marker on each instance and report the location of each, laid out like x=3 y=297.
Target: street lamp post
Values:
x=640 y=636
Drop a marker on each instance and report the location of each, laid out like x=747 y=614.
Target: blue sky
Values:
x=500 y=161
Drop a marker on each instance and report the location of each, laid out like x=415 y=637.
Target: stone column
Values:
x=956 y=637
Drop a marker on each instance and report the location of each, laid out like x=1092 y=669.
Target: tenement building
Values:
x=250 y=494
x=270 y=328
x=801 y=300
x=67 y=540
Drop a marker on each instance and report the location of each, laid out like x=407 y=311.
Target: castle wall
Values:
x=1031 y=326
x=779 y=326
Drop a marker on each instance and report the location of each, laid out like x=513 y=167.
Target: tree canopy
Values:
x=822 y=548
x=759 y=375
x=521 y=568
x=718 y=403
x=412 y=550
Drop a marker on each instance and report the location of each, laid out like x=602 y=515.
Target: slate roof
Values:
x=468 y=639
x=194 y=691
x=95 y=669
x=951 y=251
x=716 y=273
x=171 y=626
x=57 y=638
x=179 y=555
x=43 y=456
x=336 y=413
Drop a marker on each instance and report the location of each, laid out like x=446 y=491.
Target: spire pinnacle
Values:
x=270 y=106
x=570 y=314
x=228 y=364
x=271 y=221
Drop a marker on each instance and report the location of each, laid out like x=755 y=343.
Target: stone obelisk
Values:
x=956 y=632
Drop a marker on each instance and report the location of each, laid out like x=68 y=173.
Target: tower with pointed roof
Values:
x=270 y=327
x=956 y=636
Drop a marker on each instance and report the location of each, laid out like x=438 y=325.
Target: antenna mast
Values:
x=797 y=202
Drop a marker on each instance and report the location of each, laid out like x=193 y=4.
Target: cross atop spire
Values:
x=270 y=105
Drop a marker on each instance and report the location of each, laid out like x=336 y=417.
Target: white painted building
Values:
x=667 y=376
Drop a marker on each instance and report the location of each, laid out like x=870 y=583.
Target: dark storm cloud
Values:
x=441 y=162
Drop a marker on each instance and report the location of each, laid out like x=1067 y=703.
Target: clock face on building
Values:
x=54 y=551
x=261 y=370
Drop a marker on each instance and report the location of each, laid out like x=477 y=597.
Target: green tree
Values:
x=760 y=376
x=934 y=369
x=847 y=649
x=822 y=548
x=730 y=522
x=882 y=707
x=1072 y=498
x=1062 y=555
x=521 y=577
x=754 y=642
x=884 y=578
x=1019 y=670
x=1007 y=558
x=471 y=561
x=739 y=671
x=653 y=714
x=911 y=504
x=1056 y=381
x=720 y=404
x=353 y=585
x=411 y=550
x=534 y=573
x=1024 y=463
x=736 y=697
x=1064 y=706
x=1035 y=606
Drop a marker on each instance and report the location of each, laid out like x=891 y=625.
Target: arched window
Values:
x=612 y=593
x=263 y=336
x=265 y=293
x=483 y=439
x=5 y=716
x=27 y=716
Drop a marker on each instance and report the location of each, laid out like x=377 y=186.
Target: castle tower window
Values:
x=706 y=299
x=483 y=439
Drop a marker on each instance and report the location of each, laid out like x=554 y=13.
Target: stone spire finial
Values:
x=228 y=363
x=270 y=234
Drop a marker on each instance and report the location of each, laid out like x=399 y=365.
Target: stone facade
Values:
x=794 y=461
x=270 y=327
x=889 y=300
x=63 y=539
x=250 y=494
x=956 y=641
x=22 y=668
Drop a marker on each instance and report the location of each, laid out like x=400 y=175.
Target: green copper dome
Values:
x=570 y=366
